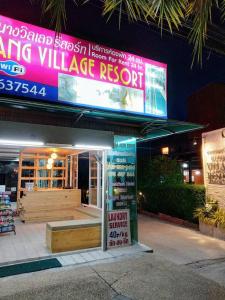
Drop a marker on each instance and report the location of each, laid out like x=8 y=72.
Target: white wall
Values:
x=213 y=151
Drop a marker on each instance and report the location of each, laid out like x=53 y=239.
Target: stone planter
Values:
x=206 y=228
x=219 y=233
x=211 y=230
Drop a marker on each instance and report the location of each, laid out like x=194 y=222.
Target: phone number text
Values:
x=24 y=88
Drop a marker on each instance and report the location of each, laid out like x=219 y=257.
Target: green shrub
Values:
x=179 y=200
x=160 y=170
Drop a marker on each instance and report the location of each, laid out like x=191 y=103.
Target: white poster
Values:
x=118 y=228
x=29 y=186
x=2 y=188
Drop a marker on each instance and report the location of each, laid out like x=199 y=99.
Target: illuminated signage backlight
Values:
x=78 y=72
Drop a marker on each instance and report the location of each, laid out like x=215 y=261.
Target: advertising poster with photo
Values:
x=35 y=63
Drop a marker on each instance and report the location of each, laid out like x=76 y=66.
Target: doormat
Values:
x=28 y=267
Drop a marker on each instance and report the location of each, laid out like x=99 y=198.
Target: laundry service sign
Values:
x=118 y=231
x=35 y=63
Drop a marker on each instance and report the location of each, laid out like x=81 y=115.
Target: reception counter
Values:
x=49 y=205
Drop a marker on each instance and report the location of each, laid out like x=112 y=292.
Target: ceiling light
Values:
x=54 y=155
x=92 y=147
x=20 y=143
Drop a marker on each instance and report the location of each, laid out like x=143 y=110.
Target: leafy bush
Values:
x=160 y=170
x=180 y=200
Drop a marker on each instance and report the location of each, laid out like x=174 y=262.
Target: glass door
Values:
x=95 y=178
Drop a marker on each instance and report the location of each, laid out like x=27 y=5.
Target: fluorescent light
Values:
x=131 y=140
x=20 y=143
x=68 y=146
x=92 y=147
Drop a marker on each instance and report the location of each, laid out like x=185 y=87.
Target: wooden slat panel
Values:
x=73 y=239
x=48 y=205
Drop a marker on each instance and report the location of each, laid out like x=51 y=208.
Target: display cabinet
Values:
x=6 y=214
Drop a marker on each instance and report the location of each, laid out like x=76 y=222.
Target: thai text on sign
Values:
x=78 y=72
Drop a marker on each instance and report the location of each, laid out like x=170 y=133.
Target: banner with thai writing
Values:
x=35 y=63
x=121 y=173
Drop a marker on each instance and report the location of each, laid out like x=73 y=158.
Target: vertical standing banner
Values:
x=121 y=168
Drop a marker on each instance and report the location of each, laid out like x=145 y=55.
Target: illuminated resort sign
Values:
x=37 y=64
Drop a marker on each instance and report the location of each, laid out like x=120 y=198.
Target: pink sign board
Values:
x=35 y=63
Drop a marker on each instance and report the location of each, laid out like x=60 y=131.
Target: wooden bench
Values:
x=72 y=235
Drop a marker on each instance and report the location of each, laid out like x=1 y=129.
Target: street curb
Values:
x=170 y=219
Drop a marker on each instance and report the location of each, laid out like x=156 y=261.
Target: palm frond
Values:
x=222 y=7
x=170 y=11
x=193 y=15
x=135 y=10
x=200 y=12
x=57 y=10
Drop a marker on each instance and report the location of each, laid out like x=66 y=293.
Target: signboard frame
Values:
x=117 y=81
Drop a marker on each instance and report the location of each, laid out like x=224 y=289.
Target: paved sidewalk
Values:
x=178 y=244
x=82 y=257
x=182 y=246
x=142 y=276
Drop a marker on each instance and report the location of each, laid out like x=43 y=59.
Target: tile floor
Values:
x=29 y=244
x=29 y=241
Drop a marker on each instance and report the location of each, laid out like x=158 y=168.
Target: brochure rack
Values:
x=6 y=214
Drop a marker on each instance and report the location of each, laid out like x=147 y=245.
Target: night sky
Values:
x=86 y=22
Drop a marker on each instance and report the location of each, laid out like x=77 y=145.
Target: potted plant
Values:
x=206 y=217
x=219 y=230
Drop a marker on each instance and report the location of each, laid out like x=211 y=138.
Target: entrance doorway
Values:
x=49 y=189
x=90 y=177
